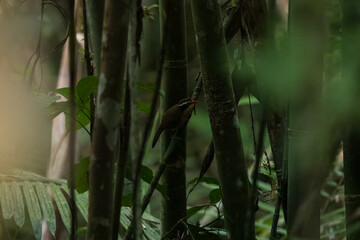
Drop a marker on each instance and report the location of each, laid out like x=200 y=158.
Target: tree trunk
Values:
x=224 y=120
x=107 y=118
x=175 y=86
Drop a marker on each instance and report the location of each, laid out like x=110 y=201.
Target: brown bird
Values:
x=175 y=117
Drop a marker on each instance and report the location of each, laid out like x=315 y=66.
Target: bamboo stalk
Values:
x=223 y=118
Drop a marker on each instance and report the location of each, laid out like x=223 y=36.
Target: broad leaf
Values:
x=56 y=108
x=43 y=100
x=215 y=196
x=65 y=92
x=198 y=233
x=33 y=207
x=6 y=200
x=85 y=87
x=62 y=205
x=192 y=211
x=143 y=107
x=82 y=202
x=19 y=209
x=46 y=206
x=147 y=175
x=82 y=175
x=208 y=180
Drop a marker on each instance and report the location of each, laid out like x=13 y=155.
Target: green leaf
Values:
x=192 y=211
x=23 y=175
x=143 y=107
x=146 y=86
x=81 y=229
x=215 y=196
x=325 y=194
x=147 y=175
x=126 y=200
x=65 y=92
x=128 y=187
x=245 y=100
x=44 y=100
x=125 y=217
x=19 y=209
x=85 y=87
x=150 y=231
x=266 y=207
x=264 y=186
x=33 y=207
x=332 y=183
x=82 y=202
x=46 y=206
x=6 y=200
x=56 y=108
x=151 y=218
x=62 y=205
x=153 y=6
x=198 y=233
x=82 y=175
x=208 y=180
x=82 y=118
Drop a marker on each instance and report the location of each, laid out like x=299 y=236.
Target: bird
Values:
x=175 y=117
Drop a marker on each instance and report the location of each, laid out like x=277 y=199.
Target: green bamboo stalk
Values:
x=223 y=117
x=121 y=159
x=175 y=86
x=107 y=119
x=95 y=15
x=135 y=26
x=304 y=166
x=350 y=79
x=352 y=186
x=72 y=123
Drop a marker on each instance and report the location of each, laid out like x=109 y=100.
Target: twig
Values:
x=153 y=184
x=64 y=14
x=252 y=208
x=122 y=156
x=37 y=52
x=172 y=229
x=87 y=54
x=148 y=126
x=274 y=226
x=89 y=65
x=252 y=123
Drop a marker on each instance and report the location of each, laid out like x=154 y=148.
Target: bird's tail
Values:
x=157 y=135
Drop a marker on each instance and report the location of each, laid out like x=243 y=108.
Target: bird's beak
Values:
x=194 y=101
